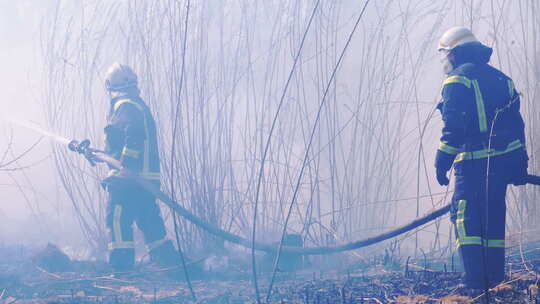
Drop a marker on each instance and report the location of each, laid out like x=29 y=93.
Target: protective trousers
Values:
x=130 y=203
x=479 y=213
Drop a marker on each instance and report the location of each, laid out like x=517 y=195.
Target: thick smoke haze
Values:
x=237 y=59
x=33 y=207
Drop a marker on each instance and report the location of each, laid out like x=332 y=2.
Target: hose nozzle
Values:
x=83 y=148
x=72 y=145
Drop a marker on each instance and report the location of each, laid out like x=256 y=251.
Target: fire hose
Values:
x=93 y=156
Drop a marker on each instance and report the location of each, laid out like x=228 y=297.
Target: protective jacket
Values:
x=480 y=110
x=131 y=137
x=483 y=136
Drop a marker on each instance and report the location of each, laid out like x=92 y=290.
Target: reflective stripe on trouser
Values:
x=480 y=238
x=121 y=247
x=122 y=237
x=129 y=203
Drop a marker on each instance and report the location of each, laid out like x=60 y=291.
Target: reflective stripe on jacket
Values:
x=480 y=110
x=131 y=137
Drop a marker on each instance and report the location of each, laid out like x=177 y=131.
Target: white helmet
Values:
x=120 y=77
x=455 y=36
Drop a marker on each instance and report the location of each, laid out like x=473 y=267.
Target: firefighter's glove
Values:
x=520 y=174
x=442 y=178
x=443 y=163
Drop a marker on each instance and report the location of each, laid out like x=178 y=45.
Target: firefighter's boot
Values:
x=165 y=255
x=122 y=259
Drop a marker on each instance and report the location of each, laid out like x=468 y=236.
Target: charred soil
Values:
x=26 y=279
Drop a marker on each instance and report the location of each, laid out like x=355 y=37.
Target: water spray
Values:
x=34 y=127
x=83 y=147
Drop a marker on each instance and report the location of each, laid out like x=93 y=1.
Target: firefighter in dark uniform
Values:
x=131 y=139
x=483 y=137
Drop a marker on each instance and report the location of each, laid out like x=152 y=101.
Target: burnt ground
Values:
x=30 y=279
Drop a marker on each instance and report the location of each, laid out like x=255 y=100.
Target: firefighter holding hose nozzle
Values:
x=483 y=138
x=130 y=138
